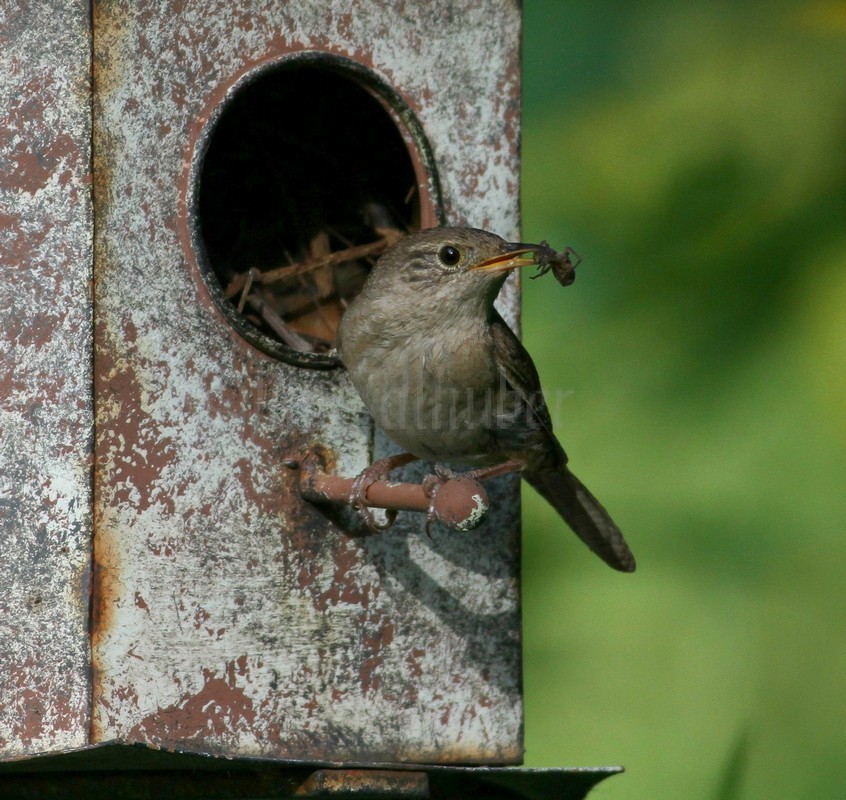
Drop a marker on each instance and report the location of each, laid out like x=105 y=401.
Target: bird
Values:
x=448 y=381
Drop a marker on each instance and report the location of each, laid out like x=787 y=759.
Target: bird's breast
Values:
x=434 y=395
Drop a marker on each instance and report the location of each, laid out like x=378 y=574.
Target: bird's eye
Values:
x=449 y=255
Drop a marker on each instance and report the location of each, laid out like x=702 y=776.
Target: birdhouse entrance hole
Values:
x=306 y=172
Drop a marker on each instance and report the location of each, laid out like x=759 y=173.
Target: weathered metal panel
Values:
x=232 y=617
x=46 y=418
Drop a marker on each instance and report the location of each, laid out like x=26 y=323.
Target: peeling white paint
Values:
x=475 y=516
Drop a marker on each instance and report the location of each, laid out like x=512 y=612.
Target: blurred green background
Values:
x=694 y=153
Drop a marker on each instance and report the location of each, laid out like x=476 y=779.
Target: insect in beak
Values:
x=517 y=254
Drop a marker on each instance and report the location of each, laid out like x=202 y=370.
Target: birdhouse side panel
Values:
x=231 y=616
x=46 y=414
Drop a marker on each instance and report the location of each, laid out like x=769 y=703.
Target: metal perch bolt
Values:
x=457 y=503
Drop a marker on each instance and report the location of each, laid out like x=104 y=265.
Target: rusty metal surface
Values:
x=365 y=783
x=45 y=376
x=231 y=617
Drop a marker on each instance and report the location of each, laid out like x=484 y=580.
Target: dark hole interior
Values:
x=305 y=181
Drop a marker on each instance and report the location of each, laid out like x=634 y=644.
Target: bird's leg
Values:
x=484 y=473
x=377 y=471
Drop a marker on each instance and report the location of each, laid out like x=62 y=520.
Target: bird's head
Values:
x=450 y=268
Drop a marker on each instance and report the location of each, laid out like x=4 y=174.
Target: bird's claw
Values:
x=358 y=498
x=377 y=471
x=431 y=486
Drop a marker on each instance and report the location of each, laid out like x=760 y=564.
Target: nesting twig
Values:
x=248 y=284
x=301 y=302
x=277 y=324
x=331 y=260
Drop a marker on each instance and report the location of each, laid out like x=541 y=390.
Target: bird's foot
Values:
x=431 y=486
x=378 y=471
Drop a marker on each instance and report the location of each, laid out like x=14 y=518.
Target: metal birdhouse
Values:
x=191 y=194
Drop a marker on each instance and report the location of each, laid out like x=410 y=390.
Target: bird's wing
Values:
x=516 y=367
x=549 y=474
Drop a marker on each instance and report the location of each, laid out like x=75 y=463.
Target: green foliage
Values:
x=695 y=155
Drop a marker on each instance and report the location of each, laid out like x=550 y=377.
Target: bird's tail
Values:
x=584 y=514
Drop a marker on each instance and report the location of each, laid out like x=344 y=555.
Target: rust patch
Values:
x=106 y=589
x=31 y=152
x=219 y=709
x=37 y=707
x=134 y=451
x=140 y=602
x=365 y=784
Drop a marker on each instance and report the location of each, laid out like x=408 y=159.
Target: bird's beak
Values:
x=517 y=254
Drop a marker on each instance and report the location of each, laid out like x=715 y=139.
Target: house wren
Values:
x=447 y=379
